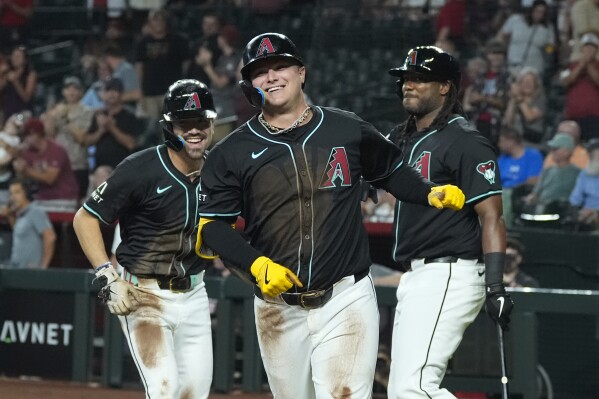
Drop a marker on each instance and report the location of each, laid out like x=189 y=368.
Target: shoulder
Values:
x=337 y=112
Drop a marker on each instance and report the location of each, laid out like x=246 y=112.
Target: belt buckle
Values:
x=312 y=294
x=175 y=289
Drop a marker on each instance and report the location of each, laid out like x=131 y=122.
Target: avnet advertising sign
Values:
x=36 y=333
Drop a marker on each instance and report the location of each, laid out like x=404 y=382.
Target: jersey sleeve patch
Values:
x=487 y=169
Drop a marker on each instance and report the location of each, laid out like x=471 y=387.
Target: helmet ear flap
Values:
x=254 y=95
x=170 y=138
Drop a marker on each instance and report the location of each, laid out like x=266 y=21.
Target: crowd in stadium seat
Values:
x=527 y=66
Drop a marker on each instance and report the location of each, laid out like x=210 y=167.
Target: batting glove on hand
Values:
x=499 y=305
x=272 y=278
x=121 y=297
x=448 y=196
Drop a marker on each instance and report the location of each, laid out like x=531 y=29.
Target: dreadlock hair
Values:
x=450 y=107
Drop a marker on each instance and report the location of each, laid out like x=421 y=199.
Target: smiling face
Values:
x=196 y=134
x=422 y=96
x=281 y=80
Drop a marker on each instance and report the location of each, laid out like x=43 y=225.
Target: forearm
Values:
x=593 y=74
x=407 y=185
x=87 y=229
x=493 y=238
x=531 y=113
x=216 y=79
x=47 y=176
x=229 y=244
x=124 y=139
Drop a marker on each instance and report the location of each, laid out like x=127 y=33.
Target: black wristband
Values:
x=494 y=264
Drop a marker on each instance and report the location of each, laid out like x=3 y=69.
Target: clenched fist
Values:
x=121 y=297
x=272 y=278
x=448 y=196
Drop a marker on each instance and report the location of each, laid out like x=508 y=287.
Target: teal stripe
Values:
x=90 y=210
x=490 y=193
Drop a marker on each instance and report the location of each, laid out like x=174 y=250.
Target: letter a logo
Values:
x=265 y=47
x=423 y=165
x=337 y=170
x=193 y=102
x=413 y=57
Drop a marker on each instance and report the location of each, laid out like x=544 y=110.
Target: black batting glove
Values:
x=499 y=305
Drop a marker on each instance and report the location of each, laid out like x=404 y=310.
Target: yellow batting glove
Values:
x=448 y=196
x=272 y=278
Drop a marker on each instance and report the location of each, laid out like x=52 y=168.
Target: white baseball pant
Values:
x=436 y=302
x=327 y=352
x=170 y=339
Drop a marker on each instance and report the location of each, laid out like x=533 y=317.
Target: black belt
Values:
x=443 y=259
x=174 y=283
x=311 y=299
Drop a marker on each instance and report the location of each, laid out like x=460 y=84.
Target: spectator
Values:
x=14 y=21
x=519 y=168
x=211 y=26
x=114 y=130
x=513 y=276
x=487 y=96
x=529 y=37
x=527 y=105
x=223 y=77
x=580 y=156
x=475 y=71
x=586 y=191
x=581 y=79
x=451 y=22
x=67 y=123
x=159 y=61
x=33 y=237
x=125 y=71
x=584 y=18
x=47 y=164
x=9 y=149
x=93 y=96
x=556 y=183
x=17 y=84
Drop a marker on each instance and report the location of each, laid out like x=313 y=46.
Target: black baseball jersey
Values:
x=299 y=192
x=157 y=208
x=456 y=154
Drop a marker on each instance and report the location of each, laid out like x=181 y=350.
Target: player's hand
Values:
x=499 y=305
x=448 y=196
x=121 y=297
x=272 y=278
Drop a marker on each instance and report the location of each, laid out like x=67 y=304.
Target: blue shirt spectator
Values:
x=586 y=191
x=517 y=171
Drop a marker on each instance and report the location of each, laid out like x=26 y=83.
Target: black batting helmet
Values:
x=268 y=45
x=185 y=99
x=431 y=62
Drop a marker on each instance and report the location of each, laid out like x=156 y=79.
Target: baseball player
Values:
x=293 y=172
x=160 y=297
x=450 y=256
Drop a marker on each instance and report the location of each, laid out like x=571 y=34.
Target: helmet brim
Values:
x=205 y=114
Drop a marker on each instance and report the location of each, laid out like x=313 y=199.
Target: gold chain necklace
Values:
x=277 y=130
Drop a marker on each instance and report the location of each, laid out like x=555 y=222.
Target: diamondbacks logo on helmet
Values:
x=265 y=47
x=193 y=102
x=337 y=170
x=413 y=57
x=423 y=164
x=487 y=169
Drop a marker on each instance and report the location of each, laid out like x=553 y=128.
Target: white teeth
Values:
x=274 y=89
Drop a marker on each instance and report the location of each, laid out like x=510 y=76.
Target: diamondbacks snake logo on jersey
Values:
x=487 y=169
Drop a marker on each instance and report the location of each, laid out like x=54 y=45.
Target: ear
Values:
x=302 y=72
x=444 y=88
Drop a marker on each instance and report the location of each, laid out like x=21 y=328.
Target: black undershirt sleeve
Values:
x=407 y=185
x=229 y=244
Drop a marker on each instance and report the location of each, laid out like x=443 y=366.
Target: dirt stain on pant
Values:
x=149 y=341
x=268 y=322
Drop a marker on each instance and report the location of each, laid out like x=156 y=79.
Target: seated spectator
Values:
x=580 y=156
x=556 y=183
x=513 y=276
x=67 y=125
x=18 y=82
x=527 y=105
x=519 y=168
x=93 y=96
x=581 y=80
x=33 y=238
x=47 y=164
x=586 y=191
x=114 y=130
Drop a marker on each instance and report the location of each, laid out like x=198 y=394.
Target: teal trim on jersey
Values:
x=299 y=250
x=312 y=195
x=490 y=193
x=87 y=208
x=181 y=235
x=219 y=214
x=399 y=202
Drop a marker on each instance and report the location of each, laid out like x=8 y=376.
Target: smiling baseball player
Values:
x=161 y=298
x=293 y=172
x=450 y=256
